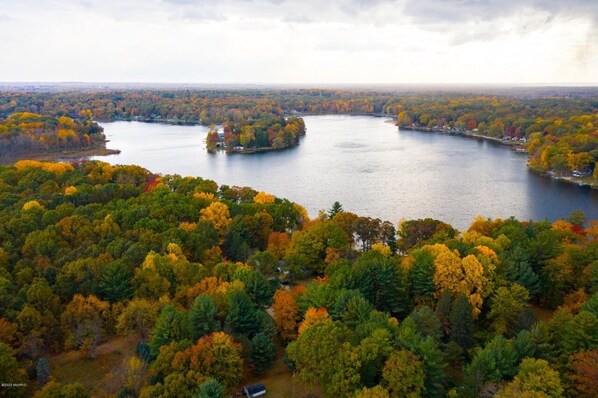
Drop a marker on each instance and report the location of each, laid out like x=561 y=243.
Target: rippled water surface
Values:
x=369 y=166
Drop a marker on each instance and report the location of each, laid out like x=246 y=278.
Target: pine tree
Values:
x=241 y=316
x=428 y=350
x=256 y=286
x=422 y=275
x=392 y=294
x=262 y=354
x=42 y=370
x=443 y=310
x=461 y=322
x=203 y=317
x=427 y=323
x=171 y=326
x=335 y=209
x=115 y=282
x=518 y=270
x=210 y=389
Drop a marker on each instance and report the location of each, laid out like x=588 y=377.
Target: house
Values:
x=254 y=390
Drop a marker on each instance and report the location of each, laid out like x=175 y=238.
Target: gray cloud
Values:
x=466 y=21
x=297 y=18
x=434 y=11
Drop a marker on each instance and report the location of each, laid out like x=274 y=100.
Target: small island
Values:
x=267 y=133
x=30 y=135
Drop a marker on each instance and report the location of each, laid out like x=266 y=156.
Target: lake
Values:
x=369 y=166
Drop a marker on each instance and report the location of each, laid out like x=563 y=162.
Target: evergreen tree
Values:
x=461 y=322
x=335 y=209
x=171 y=326
x=42 y=370
x=115 y=282
x=443 y=310
x=391 y=295
x=525 y=320
x=496 y=361
x=422 y=276
x=382 y=282
x=256 y=286
x=389 y=236
x=263 y=351
x=427 y=323
x=203 y=317
x=429 y=352
x=241 y=316
x=210 y=389
x=518 y=270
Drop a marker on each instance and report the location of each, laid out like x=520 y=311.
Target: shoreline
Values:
x=516 y=146
x=582 y=182
x=65 y=155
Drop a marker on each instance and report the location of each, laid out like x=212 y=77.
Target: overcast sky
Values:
x=291 y=41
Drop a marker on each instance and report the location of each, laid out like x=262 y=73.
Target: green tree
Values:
x=314 y=353
x=382 y=282
x=335 y=209
x=427 y=323
x=171 y=325
x=264 y=262
x=421 y=274
x=203 y=317
x=241 y=316
x=10 y=372
x=403 y=375
x=518 y=270
x=461 y=322
x=256 y=286
x=496 y=361
x=536 y=376
x=210 y=389
x=432 y=357
x=262 y=353
x=311 y=247
x=60 y=390
x=138 y=317
x=505 y=307
x=115 y=282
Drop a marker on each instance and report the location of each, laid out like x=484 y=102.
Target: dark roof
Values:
x=255 y=388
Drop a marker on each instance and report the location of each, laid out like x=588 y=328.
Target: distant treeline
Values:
x=561 y=128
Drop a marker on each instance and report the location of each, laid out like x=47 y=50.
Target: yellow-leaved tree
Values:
x=464 y=276
x=313 y=317
x=216 y=214
x=264 y=198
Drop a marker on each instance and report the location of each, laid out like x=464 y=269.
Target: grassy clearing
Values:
x=279 y=381
x=101 y=376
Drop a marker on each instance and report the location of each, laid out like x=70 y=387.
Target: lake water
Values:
x=369 y=166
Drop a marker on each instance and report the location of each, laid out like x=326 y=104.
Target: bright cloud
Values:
x=300 y=42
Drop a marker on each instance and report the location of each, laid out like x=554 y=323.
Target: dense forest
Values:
x=30 y=133
x=209 y=283
x=263 y=133
x=560 y=127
